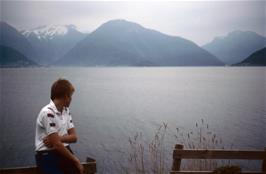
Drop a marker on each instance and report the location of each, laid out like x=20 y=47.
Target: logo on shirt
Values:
x=52 y=124
x=50 y=115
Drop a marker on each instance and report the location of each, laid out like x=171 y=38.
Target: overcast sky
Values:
x=199 y=21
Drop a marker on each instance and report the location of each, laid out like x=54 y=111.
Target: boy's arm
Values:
x=71 y=137
x=54 y=139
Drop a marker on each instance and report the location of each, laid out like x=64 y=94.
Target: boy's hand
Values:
x=47 y=142
x=79 y=166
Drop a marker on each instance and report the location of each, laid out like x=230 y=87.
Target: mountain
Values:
x=10 y=37
x=12 y=58
x=123 y=43
x=53 y=41
x=258 y=58
x=236 y=46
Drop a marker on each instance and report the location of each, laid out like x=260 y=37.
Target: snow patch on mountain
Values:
x=48 y=32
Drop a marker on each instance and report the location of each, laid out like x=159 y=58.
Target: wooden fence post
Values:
x=177 y=161
x=90 y=166
x=264 y=164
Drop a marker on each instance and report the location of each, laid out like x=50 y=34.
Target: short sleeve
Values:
x=70 y=123
x=49 y=122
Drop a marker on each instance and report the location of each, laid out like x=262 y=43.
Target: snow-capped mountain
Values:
x=49 y=32
x=52 y=41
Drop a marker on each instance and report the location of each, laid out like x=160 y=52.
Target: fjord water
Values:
x=112 y=104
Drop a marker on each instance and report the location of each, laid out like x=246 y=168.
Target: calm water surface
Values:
x=112 y=104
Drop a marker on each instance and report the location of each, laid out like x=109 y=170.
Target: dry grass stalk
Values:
x=154 y=158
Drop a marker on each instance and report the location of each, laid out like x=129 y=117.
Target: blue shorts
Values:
x=51 y=162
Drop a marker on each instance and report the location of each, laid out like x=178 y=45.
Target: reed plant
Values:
x=148 y=157
x=155 y=156
x=200 y=137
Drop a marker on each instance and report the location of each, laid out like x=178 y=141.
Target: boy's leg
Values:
x=67 y=166
x=47 y=163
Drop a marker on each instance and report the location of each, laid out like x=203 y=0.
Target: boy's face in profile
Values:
x=67 y=100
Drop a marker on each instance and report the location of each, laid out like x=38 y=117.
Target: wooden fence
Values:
x=180 y=153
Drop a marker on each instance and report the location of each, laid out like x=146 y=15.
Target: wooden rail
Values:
x=89 y=168
x=179 y=154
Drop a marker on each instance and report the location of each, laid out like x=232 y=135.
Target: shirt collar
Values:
x=52 y=105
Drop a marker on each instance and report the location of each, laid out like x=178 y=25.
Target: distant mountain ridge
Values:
x=53 y=41
x=124 y=43
x=258 y=58
x=236 y=46
x=12 y=58
x=10 y=37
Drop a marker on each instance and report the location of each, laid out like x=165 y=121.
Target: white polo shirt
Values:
x=49 y=121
